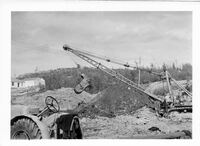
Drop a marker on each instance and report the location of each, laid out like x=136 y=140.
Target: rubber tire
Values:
x=28 y=126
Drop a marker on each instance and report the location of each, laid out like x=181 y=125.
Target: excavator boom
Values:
x=109 y=71
x=160 y=104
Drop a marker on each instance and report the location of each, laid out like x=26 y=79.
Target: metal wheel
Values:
x=76 y=130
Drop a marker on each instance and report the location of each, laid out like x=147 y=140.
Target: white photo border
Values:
x=5 y=36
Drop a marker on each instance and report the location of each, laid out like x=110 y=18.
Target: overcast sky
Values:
x=156 y=37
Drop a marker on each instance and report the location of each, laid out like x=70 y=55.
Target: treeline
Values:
x=70 y=77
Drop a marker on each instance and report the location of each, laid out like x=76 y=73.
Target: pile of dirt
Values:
x=92 y=112
x=116 y=100
x=66 y=98
x=160 y=87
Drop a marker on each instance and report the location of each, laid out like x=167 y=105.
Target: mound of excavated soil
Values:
x=115 y=100
x=66 y=98
x=160 y=87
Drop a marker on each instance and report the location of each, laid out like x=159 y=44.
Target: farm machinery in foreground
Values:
x=162 y=105
x=49 y=123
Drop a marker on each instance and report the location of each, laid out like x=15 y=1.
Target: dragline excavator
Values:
x=160 y=104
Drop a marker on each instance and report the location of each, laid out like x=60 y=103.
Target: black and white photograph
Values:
x=101 y=75
x=99 y=72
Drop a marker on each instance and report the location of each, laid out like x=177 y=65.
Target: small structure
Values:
x=15 y=83
x=28 y=82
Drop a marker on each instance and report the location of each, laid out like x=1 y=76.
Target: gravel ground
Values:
x=127 y=126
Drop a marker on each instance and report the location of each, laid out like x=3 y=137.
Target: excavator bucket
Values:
x=82 y=85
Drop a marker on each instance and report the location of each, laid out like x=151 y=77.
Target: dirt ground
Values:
x=138 y=124
x=130 y=119
x=66 y=98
